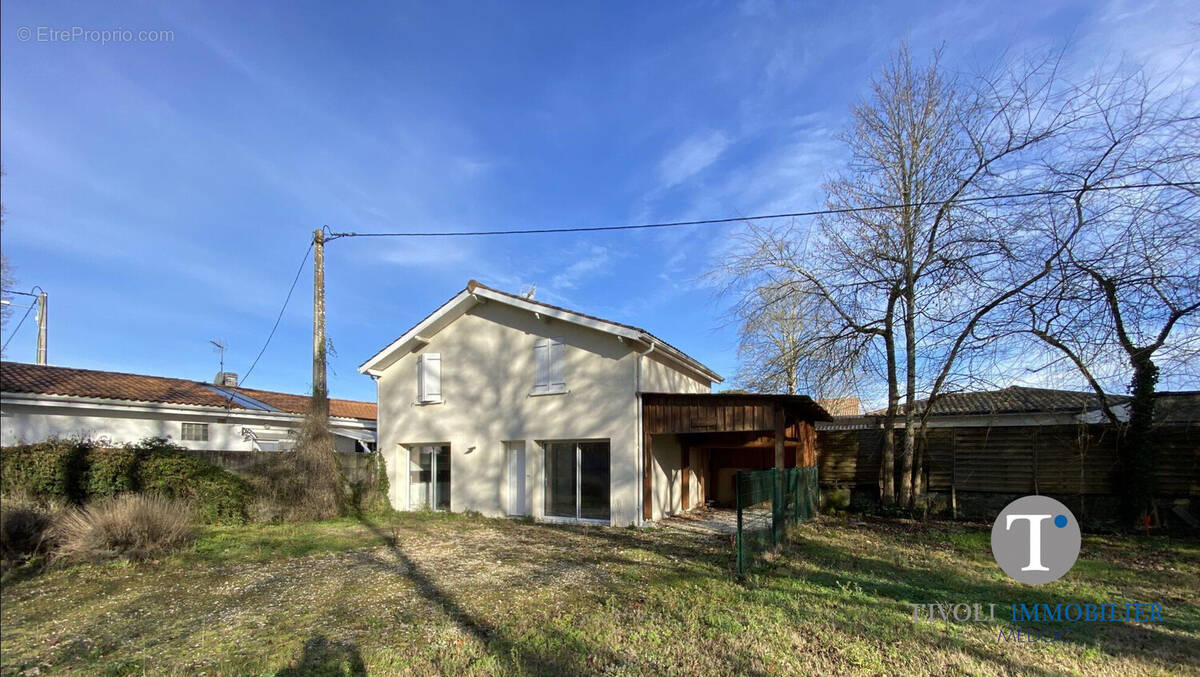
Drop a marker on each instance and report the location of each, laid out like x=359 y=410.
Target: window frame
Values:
x=433 y=497
x=185 y=426
x=577 y=444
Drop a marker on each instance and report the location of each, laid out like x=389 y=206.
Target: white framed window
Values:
x=195 y=432
x=428 y=476
x=429 y=378
x=577 y=480
x=548 y=354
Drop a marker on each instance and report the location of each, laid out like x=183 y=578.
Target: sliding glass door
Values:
x=577 y=480
x=429 y=477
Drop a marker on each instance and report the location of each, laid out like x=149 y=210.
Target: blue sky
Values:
x=163 y=193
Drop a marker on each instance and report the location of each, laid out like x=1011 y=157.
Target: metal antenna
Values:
x=220 y=346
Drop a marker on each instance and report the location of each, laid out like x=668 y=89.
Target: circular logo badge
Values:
x=1035 y=539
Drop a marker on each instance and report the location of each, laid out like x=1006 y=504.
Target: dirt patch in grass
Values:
x=471 y=595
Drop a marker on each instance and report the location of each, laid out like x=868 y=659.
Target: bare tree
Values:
x=1124 y=296
x=781 y=349
x=907 y=266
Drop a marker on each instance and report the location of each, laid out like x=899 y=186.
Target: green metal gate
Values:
x=768 y=503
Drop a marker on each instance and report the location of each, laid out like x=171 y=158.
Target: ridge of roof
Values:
x=23 y=377
x=474 y=285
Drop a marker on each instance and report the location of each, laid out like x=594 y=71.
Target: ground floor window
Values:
x=195 y=432
x=429 y=476
x=577 y=480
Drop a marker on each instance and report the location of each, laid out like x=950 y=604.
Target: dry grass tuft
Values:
x=138 y=527
x=25 y=529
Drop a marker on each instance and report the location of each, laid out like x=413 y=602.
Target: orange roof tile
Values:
x=20 y=377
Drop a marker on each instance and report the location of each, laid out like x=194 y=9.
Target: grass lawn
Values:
x=464 y=594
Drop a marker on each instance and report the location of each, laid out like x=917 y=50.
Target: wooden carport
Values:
x=750 y=424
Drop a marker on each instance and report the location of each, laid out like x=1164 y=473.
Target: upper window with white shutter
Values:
x=429 y=378
x=548 y=366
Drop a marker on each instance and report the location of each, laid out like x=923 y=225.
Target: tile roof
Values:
x=1015 y=400
x=20 y=377
x=298 y=404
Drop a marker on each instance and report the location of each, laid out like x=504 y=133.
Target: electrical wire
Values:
x=279 y=318
x=762 y=217
x=28 y=309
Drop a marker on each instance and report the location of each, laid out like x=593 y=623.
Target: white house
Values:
x=38 y=402
x=507 y=406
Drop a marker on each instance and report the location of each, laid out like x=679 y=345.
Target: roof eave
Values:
x=372 y=366
x=475 y=294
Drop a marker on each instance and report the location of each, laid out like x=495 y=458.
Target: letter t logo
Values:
x=1035 y=539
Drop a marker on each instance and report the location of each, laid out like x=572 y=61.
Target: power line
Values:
x=760 y=217
x=299 y=270
x=14 y=331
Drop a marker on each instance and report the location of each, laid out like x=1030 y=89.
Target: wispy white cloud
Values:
x=691 y=157
x=592 y=260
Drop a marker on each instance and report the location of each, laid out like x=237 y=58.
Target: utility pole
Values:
x=41 y=324
x=320 y=394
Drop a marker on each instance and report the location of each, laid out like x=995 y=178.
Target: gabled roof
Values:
x=20 y=377
x=1014 y=400
x=476 y=293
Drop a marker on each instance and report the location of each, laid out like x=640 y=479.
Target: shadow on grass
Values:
x=844 y=573
x=493 y=639
x=324 y=658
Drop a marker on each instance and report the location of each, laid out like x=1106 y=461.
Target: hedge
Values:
x=80 y=471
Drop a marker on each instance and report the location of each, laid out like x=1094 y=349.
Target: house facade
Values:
x=506 y=406
x=39 y=402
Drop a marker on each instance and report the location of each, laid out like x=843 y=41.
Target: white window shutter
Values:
x=433 y=377
x=541 y=361
x=420 y=378
x=558 y=382
x=429 y=377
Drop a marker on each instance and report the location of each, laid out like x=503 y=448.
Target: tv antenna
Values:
x=220 y=346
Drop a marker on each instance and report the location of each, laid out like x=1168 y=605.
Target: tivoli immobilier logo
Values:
x=1035 y=539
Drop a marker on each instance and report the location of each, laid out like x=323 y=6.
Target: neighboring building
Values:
x=985 y=448
x=507 y=406
x=38 y=402
x=841 y=406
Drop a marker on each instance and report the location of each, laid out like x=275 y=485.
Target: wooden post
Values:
x=647 y=472
x=41 y=328
x=779 y=437
x=779 y=511
x=320 y=390
x=685 y=470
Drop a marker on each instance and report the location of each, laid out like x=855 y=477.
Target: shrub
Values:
x=52 y=468
x=303 y=485
x=25 y=530
x=111 y=472
x=137 y=527
x=837 y=499
x=170 y=471
x=80 y=471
